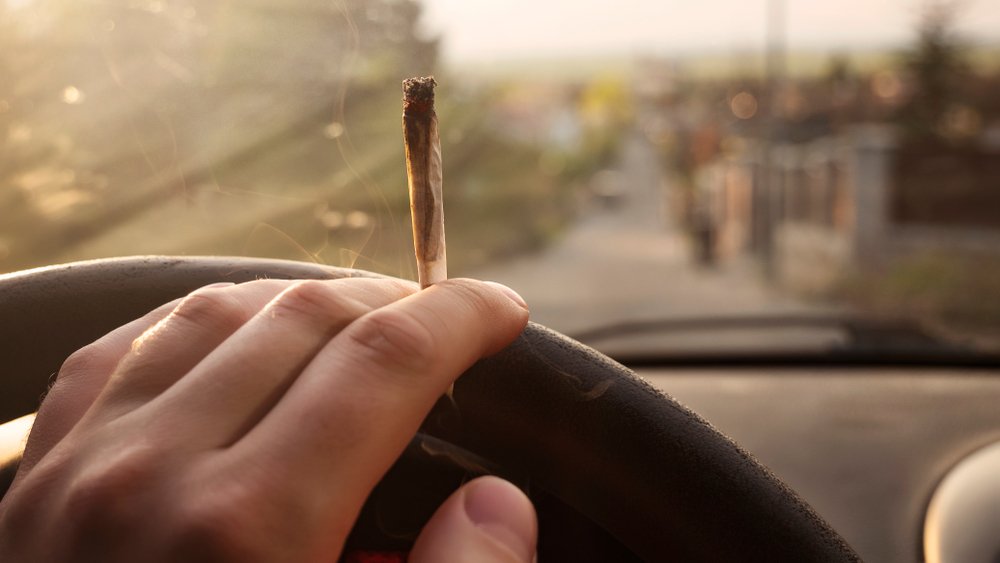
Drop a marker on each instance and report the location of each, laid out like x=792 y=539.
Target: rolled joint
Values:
x=432 y=272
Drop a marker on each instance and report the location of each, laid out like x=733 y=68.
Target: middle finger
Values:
x=165 y=352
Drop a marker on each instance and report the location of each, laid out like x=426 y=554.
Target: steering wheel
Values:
x=618 y=470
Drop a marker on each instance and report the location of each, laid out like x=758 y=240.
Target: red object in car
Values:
x=375 y=557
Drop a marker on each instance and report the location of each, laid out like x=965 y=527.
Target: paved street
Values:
x=629 y=262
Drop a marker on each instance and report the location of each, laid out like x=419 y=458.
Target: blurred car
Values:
x=608 y=188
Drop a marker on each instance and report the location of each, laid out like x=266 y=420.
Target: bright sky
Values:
x=479 y=30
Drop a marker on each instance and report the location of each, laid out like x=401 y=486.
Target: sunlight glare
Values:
x=13 y=435
x=73 y=95
x=18 y=4
x=358 y=219
x=333 y=130
x=332 y=220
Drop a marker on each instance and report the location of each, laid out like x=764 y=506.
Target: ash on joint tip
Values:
x=419 y=90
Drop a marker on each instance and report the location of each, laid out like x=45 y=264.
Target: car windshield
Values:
x=649 y=175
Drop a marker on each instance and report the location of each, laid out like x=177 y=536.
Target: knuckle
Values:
x=212 y=308
x=210 y=534
x=268 y=284
x=395 y=338
x=314 y=298
x=81 y=361
x=72 y=374
x=112 y=494
x=218 y=528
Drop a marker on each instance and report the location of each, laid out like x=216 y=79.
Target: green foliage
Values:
x=962 y=291
x=938 y=71
x=606 y=111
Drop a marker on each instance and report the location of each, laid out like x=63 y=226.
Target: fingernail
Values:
x=501 y=510
x=509 y=293
x=220 y=284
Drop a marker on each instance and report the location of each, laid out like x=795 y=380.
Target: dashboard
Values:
x=867 y=448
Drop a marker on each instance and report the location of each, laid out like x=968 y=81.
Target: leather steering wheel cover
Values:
x=653 y=473
x=48 y=313
x=588 y=430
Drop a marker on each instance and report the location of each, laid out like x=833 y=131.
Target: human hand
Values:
x=250 y=422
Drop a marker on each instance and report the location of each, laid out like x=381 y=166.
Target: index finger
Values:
x=362 y=398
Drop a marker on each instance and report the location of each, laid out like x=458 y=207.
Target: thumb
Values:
x=486 y=520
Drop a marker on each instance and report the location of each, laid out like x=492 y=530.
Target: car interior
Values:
x=759 y=242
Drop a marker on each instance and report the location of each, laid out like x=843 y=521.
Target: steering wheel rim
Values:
x=655 y=475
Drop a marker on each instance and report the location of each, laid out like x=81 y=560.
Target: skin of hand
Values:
x=250 y=422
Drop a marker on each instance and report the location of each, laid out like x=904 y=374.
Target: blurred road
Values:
x=629 y=262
